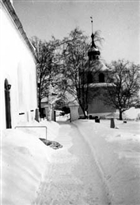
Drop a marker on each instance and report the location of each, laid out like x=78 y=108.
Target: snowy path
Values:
x=117 y=155
x=73 y=176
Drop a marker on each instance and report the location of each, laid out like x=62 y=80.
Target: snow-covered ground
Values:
x=66 y=117
x=117 y=153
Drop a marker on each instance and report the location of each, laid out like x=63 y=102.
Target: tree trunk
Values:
x=39 y=106
x=83 y=109
x=120 y=115
x=84 y=112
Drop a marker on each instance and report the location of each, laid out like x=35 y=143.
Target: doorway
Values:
x=7 y=88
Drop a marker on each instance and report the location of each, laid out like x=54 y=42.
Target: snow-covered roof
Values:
x=103 y=66
x=71 y=99
x=51 y=100
x=8 y=5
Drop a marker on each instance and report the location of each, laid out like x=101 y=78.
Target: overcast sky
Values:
x=118 y=22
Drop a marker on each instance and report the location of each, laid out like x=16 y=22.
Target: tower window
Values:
x=101 y=78
x=89 y=77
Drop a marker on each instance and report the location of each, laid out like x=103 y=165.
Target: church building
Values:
x=18 y=87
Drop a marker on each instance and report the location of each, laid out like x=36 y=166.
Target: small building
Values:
x=18 y=86
x=47 y=106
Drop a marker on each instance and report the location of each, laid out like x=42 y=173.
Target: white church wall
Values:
x=17 y=65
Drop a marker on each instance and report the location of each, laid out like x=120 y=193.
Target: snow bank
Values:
x=37 y=128
x=117 y=154
x=24 y=162
x=132 y=113
x=52 y=129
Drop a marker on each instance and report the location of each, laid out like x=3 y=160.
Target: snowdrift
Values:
x=117 y=154
x=132 y=114
x=37 y=128
x=24 y=162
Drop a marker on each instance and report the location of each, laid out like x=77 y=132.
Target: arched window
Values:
x=101 y=78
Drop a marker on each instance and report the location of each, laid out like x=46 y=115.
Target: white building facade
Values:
x=18 y=87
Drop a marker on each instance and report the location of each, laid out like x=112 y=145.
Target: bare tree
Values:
x=126 y=79
x=47 y=65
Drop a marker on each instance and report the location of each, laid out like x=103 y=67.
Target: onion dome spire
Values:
x=93 y=52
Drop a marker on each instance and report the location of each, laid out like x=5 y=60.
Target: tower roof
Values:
x=93 y=52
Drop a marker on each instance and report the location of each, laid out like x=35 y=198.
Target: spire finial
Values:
x=91 y=24
x=92 y=35
x=93 y=52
